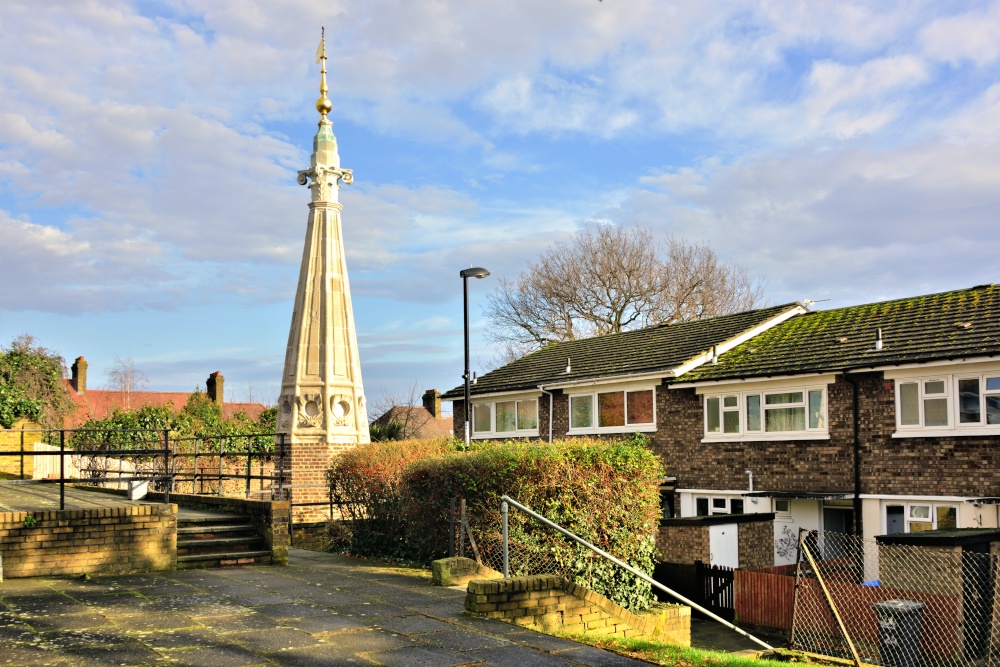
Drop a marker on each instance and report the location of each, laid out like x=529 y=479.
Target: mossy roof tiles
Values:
x=658 y=348
x=948 y=325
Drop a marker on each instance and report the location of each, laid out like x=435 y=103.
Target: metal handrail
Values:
x=642 y=575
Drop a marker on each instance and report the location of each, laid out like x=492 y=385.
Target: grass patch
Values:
x=670 y=654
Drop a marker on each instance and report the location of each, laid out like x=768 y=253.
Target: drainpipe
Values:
x=542 y=389
x=857 y=454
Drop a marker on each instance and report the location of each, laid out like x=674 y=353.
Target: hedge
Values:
x=606 y=492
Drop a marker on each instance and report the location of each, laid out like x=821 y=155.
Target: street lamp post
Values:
x=476 y=272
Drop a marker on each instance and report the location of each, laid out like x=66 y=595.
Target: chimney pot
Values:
x=432 y=402
x=79 y=380
x=214 y=388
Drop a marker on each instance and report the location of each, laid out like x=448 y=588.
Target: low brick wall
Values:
x=113 y=540
x=269 y=516
x=550 y=602
x=457 y=570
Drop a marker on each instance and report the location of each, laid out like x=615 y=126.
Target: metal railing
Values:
x=508 y=502
x=115 y=457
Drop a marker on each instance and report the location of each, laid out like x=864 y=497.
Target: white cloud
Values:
x=971 y=36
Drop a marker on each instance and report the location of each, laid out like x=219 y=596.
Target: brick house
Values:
x=419 y=422
x=877 y=419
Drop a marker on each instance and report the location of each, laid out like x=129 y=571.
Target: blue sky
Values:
x=148 y=150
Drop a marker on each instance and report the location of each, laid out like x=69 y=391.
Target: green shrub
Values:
x=396 y=496
x=365 y=482
x=605 y=492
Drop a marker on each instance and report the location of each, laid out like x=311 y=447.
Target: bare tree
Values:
x=125 y=378
x=610 y=279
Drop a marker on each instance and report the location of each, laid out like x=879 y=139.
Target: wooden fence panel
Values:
x=764 y=599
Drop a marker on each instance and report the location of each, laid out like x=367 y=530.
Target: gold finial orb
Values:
x=324 y=105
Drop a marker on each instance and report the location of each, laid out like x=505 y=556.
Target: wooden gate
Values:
x=715 y=583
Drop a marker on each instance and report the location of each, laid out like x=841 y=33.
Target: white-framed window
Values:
x=962 y=403
x=709 y=505
x=770 y=414
x=613 y=410
x=782 y=509
x=918 y=516
x=505 y=417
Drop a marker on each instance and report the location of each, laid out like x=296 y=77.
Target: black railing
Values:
x=151 y=455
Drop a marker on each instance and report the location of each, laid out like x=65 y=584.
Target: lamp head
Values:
x=474 y=272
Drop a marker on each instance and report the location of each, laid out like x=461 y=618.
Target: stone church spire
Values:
x=322 y=398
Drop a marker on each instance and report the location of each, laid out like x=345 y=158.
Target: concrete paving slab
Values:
x=420 y=656
x=594 y=657
x=213 y=618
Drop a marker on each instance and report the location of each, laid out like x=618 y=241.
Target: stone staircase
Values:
x=218 y=540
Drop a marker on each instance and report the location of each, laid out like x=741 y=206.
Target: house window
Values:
x=782 y=509
x=919 y=516
x=612 y=411
x=709 y=505
x=744 y=414
x=956 y=402
x=505 y=418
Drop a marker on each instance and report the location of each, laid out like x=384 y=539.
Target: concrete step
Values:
x=224 y=559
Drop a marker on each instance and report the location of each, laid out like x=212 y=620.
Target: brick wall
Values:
x=18 y=438
x=553 y=603
x=306 y=478
x=756 y=544
x=678 y=543
x=107 y=541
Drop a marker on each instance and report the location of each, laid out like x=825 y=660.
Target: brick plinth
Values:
x=553 y=603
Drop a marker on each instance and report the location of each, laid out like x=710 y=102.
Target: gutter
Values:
x=551 y=396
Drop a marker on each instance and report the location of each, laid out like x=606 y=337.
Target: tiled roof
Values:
x=101 y=403
x=419 y=421
x=949 y=325
x=658 y=348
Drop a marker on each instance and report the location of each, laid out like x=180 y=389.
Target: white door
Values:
x=723 y=545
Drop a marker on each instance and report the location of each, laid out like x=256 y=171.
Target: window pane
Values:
x=701 y=506
x=919 y=527
x=992 y=384
x=909 y=404
x=788 y=397
x=785 y=419
x=968 y=401
x=527 y=414
x=781 y=505
x=947 y=517
x=481 y=418
x=753 y=413
x=712 y=414
x=993 y=409
x=816 y=409
x=920 y=511
x=729 y=401
x=611 y=409
x=731 y=421
x=506 y=413
x=935 y=412
x=581 y=410
x=736 y=506
x=718 y=503
x=934 y=387
x=640 y=407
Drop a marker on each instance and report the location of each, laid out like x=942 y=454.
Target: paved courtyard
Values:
x=322 y=609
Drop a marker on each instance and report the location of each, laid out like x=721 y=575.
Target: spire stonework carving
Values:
x=322 y=396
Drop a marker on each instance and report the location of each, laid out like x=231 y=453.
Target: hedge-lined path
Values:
x=322 y=609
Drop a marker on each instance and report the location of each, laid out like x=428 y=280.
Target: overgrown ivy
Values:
x=31 y=384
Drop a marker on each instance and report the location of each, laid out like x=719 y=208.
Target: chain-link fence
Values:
x=899 y=605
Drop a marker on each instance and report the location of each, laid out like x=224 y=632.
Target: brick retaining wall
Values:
x=550 y=602
x=114 y=540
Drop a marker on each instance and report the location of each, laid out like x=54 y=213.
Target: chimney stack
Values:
x=80 y=375
x=432 y=402
x=214 y=388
